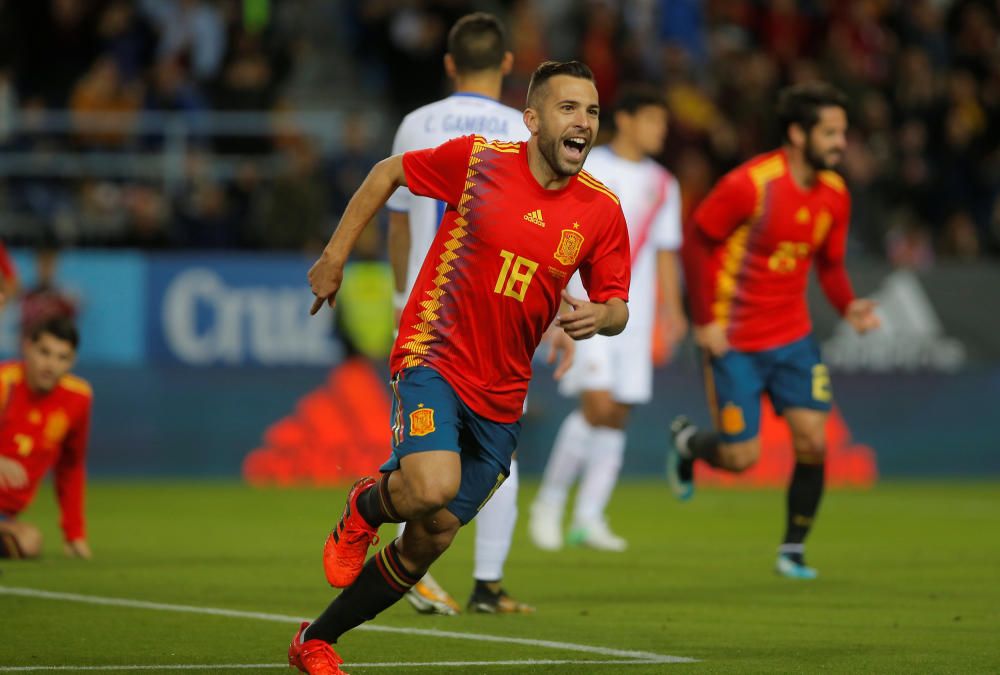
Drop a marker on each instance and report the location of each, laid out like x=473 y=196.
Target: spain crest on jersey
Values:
x=568 y=250
x=422 y=422
x=56 y=427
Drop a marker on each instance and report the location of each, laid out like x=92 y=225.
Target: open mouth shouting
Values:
x=575 y=148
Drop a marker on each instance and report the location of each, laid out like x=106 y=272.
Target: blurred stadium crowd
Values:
x=121 y=122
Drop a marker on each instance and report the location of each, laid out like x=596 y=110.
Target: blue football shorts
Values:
x=427 y=415
x=793 y=376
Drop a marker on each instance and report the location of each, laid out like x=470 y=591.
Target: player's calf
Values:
x=739 y=456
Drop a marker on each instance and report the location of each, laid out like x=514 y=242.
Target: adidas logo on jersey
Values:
x=535 y=217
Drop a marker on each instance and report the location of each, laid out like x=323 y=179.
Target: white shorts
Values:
x=622 y=364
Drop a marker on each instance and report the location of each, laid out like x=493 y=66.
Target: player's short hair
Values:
x=476 y=42
x=60 y=327
x=549 y=69
x=635 y=96
x=800 y=104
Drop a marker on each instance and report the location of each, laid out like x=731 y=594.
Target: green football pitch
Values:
x=210 y=577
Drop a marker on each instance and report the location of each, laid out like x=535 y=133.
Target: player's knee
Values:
x=29 y=542
x=605 y=413
x=430 y=493
x=809 y=447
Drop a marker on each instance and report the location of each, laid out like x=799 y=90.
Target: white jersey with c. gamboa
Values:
x=651 y=201
x=460 y=114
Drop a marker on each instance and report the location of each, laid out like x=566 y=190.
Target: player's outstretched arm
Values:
x=587 y=319
x=399 y=255
x=327 y=273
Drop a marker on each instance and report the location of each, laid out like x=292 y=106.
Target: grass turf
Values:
x=910 y=582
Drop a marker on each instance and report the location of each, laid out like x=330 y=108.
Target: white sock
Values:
x=399 y=529
x=495 y=529
x=607 y=451
x=569 y=452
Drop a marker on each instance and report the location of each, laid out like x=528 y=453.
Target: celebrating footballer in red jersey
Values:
x=493 y=278
x=521 y=218
x=747 y=256
x=44 y=423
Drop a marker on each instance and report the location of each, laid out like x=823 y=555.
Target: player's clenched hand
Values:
x=78 y=548
x=325 y=277
x=584 y=319
x=560 y=344
x=712 y=338
x=861 y=315
x=12 y=474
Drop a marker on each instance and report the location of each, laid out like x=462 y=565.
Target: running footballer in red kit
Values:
x=521 y=218
x=747 y=256
x=44 y=424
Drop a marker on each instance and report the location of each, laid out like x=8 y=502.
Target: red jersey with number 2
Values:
x=491 y=282
x=750 y=244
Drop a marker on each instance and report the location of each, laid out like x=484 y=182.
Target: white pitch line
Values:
x=631 y=656
x=352 y=666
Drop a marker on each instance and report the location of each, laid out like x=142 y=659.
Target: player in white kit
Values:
x=477 y=61
x=612 y=374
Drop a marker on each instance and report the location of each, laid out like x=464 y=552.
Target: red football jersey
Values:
x=45 y=430
x=749 y=247
x=491 y=282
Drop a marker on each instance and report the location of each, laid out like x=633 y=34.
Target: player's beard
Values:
x=549 y=146
x=822 y=161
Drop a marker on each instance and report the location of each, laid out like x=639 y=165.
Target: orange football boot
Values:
x=346 y=547
x=314 y=657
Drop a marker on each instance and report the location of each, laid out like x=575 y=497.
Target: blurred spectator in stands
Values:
x=973 y=26
x=786 y=32
x=348 y=167
x=127 y=38
x=45 y=300
x=242 y=196
x=56 y=44
x=8 y=105
x=42 y=200
x=295 y=208
x=908 y=242
x=601 y=46
x=960 y=239
x=147 y=215
x=247 y=83
x=201 y=208
x=101 y=98
x=682 y=26
x=921 y=27
x=171 y=91
x=191 y=30
x=527 y=43
x=409 y=39
x=917 y=86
